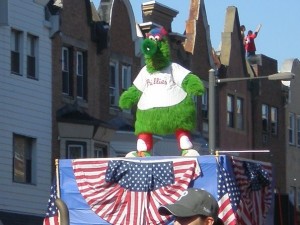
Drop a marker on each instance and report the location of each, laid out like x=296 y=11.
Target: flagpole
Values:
x=57 y=178
x=57 y=188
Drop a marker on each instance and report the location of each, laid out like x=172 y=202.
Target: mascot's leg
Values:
x=144 y=142
x=183 y=139
x=144 y=146
x=184 y=143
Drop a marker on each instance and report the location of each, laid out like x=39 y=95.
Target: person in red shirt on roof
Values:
x=249 y=41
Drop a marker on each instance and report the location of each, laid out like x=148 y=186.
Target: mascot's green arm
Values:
x=193 y=85
x=129 y=98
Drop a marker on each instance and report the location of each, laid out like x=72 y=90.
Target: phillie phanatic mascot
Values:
x=163 y=92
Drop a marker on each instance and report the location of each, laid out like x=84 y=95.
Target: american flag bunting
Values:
x=120 y=193
x=255 y=183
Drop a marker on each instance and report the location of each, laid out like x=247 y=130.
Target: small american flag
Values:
x=254 y=181
x=51 y=217
x=130 y=191
x=228 y=196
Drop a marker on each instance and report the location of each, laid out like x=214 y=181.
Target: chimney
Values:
x=157 y=13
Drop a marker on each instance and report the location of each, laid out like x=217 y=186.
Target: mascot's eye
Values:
x=157 y=37
x=154 y=38
x=151 y=38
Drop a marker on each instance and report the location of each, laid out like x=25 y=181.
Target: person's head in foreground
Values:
x=194 y=207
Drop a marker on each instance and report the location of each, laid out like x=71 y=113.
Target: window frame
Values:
x=113 y=89
x=298 y=132
x=65 y=67
x=100 y=148
x=298 y=198
x=240 y=113
x=265 y=117
x=291 y=129
x=204 y=104
x=274 y=120
x=80 y=74
x=76 y=144
x=28 y=175
x=16 y=51
x=230 y=111
x=126 y=77
x=293 y=195
x=32 y=56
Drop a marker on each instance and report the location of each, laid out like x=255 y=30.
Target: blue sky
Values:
x=279 y=37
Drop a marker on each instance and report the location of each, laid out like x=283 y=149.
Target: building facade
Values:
x=291 y=188
x=25 y=108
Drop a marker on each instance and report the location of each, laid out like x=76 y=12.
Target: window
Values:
x=76 y=150
x=292 y=195
x=239 y=114
x=32 y=45
x=204 y=107
x=23 y=159
x=81 y=75
x=298 y=199
x=195 y=100
x=298 y=131
x=126 y=81
x=126 y=77
x=66 y=71
x=15 y=47
x=291 y=128
x=265 y=117
x=113 y=84
x=274 y=121
x=100 y=150
x=230 y=111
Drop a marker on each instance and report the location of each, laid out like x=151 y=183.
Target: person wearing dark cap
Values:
x=194 y=207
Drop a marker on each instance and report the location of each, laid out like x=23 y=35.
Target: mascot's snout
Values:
x=149 y=47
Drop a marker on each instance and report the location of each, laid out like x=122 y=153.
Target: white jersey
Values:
x=162 y=88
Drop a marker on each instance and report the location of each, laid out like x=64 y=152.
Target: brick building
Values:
x=90 y=56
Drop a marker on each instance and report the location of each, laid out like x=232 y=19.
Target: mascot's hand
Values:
x=193 y=85
x=129 y=98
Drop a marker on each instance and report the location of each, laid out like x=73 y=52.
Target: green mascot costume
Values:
x=163 y=92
